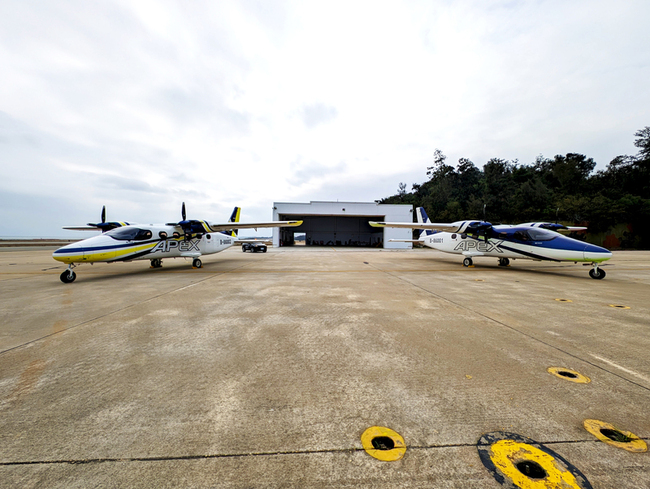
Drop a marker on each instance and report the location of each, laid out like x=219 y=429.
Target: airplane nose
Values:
x=68 y=253
x=596 y=253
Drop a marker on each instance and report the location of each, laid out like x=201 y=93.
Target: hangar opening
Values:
x=342 y=224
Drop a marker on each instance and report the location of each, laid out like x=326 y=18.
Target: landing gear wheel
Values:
x=597 y=273
x=196 y=263
x=504 y=262
x=68 y=277
x=467 y=262
x=156 y=263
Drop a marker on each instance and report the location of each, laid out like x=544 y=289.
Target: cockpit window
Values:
x=539 y=234
x=130 y=234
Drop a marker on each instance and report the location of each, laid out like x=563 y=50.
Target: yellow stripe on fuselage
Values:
x=104 y=255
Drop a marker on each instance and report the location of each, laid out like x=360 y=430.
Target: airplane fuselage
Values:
x=142 y=242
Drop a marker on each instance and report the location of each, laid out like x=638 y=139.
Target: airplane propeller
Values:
x=191 y=228
x=105 y=226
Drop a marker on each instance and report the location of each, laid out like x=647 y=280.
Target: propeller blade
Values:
x=103 y=214
x=183 y=212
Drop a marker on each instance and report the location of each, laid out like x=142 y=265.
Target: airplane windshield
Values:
x=538 y=234
x=130 y=234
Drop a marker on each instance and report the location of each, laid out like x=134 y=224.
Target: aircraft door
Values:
x=521 y=244
x=209 y=244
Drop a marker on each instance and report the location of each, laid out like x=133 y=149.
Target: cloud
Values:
x=303 y=173
x=316 y=114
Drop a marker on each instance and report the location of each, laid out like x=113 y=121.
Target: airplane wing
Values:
x=252 y=225
x=82 y=228
x=415 y=225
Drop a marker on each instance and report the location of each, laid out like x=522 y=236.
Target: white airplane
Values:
x=123 y=241
x=531 y=241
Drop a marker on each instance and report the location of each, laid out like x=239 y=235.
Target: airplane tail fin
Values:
x=424 y=219
x=234 y=217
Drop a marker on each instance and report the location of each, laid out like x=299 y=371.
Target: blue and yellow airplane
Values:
x=123 y=241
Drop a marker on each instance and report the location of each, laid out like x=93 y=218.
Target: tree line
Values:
x=563 y=188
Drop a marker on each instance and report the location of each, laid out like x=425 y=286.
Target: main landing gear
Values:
x=156 y=263
x=597 y=273
x=196 y=263
x=68 y=276
x=467 y=262
x=504 y=262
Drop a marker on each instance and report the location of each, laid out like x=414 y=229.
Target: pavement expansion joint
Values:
x=264 y=454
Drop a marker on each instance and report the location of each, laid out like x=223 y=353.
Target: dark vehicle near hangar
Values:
x=253 y=247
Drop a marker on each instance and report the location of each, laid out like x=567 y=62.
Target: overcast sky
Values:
x=141 y=105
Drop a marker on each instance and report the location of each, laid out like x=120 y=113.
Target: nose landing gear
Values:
x=68 y=276
x=597 y=273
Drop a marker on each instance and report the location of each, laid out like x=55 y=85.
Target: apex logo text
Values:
x=482 y=246
x=166 y=246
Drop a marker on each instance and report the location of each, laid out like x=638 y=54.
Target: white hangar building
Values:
x=342 y=224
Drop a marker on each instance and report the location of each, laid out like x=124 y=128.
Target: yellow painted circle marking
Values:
x=564 y=300
x=479 y=280
x=578 y=379
x=635 y=444
x=384 y=455
x=506 y=454
x=619 y=306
